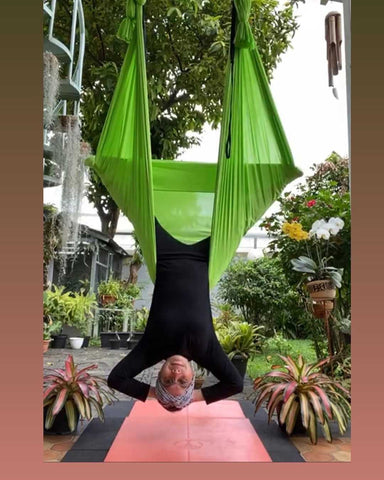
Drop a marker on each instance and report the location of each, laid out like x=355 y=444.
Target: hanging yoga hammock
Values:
x=193 y=201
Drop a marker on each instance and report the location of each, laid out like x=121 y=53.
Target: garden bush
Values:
x=260 y=291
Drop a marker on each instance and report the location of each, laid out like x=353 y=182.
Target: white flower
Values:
x=332 y=229
x=318 y=224
x=336 y=222
x=322 y=233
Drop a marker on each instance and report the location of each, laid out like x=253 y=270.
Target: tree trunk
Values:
x=133 y=271
x=109 y=221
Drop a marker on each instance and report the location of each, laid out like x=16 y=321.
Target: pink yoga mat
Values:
x=199 y=433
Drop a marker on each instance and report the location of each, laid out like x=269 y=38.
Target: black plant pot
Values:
x=60 y=424
x=114 y=343
x=124 y=337
x=59 y=341
x=86 y=342
x=298 y=429
x=240 y=364
x=105 y=337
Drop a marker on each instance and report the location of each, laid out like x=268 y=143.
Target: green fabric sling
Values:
x=192 y=200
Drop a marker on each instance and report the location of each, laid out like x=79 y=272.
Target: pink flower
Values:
x=311 y=203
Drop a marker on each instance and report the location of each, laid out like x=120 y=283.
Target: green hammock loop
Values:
x=196 y=200
x=244 y=37
x=127 y=26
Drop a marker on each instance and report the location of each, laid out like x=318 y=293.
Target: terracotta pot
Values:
x=319 y=309
x=46 y=345
x=321 y=289
x=107 y=299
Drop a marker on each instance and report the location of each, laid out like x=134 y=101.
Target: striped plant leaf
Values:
x=98 y=408
x=277 y=390
x=278 y=401
x=262 y=396
x=312 y=427
x=341 y=421
x=59 y=402
x=49 y=390
x=325 y=400
x=78 y=399
x=71 y=417
x=314 y=399
x=292 y=417
x=286 y=407
x=291 y=387
x=304 y=405
x=327 y=430
x=87 y=408
x=49 y=418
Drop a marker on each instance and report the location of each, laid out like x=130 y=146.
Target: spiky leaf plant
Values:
x=71 y=388
x=300 y=388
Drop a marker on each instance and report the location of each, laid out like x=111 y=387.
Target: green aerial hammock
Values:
x=193 y=201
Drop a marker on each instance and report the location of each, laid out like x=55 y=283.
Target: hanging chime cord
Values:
x=232 y=59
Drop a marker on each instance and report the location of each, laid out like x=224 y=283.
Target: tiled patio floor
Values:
x=56 y=446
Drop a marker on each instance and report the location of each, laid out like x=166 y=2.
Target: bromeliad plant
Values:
x=298 y=388
x=239 y=338
x=77 y=392
x=316 y=267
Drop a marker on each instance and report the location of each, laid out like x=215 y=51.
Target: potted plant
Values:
x=200 y=375
x=49 y=328
x=238 y=341
x=79 y=315
x=56 y=305
x=297 y=389
x=322 y=278
x=108 y=291
x=70 y=393
x=141 y=319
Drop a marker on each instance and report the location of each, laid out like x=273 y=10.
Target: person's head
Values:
x=175 y=383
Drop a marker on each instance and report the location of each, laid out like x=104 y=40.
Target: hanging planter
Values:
x=321 y=289
x=321 y=308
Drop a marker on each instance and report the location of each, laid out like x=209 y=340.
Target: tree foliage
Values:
x=187 y=43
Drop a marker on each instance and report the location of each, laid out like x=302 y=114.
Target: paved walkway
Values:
x=56 y=446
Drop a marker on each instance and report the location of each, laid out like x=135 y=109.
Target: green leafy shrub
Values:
x=260 y=290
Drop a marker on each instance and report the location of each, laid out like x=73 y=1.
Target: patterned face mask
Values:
x=171 y=402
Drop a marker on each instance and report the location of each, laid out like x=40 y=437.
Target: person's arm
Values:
x=122 y=376
x=230 y=381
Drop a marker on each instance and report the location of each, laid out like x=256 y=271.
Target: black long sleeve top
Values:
x=179 y=322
